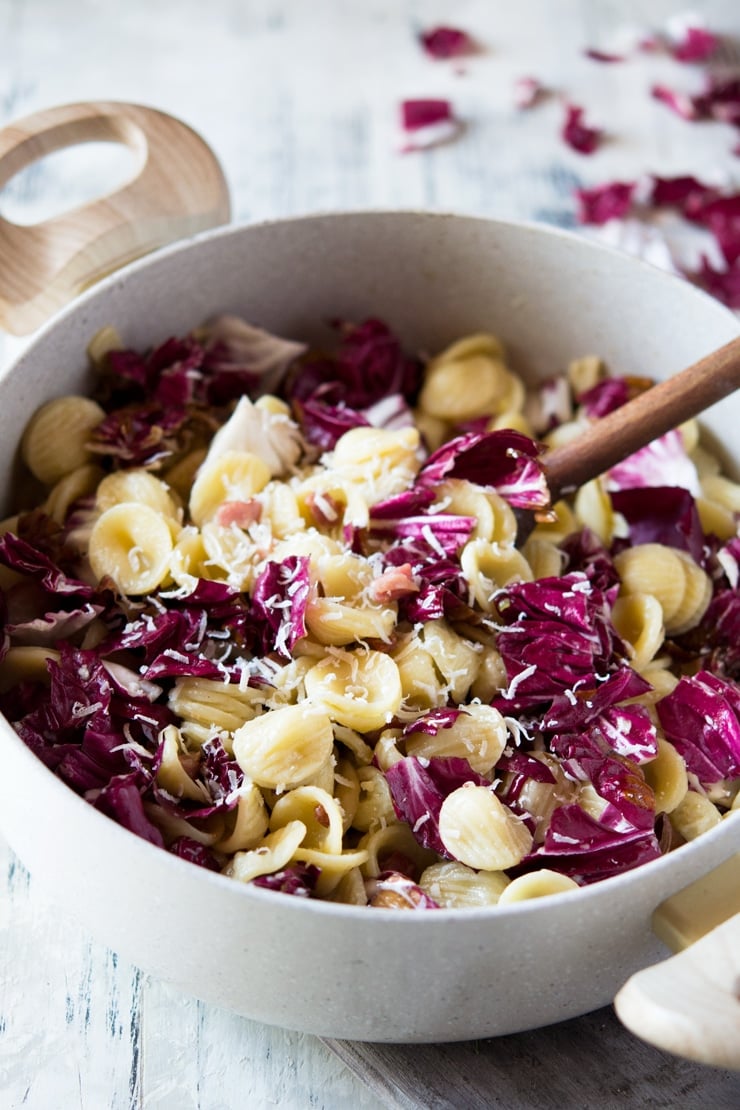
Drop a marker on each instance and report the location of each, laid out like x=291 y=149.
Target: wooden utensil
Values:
x=177 y=190
x=690 y=1003
x=625 y=430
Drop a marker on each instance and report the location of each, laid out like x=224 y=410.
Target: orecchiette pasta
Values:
x=288 y=628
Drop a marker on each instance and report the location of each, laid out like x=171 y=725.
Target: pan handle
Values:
x=178 y=189
x=690 y=1004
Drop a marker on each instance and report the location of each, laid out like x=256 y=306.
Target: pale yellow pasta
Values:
x=285 y=747
x=188 y=559
x=230 y=555
x=379 y=462
x=512 y=419
x=468 y=380
x=716 y=519
x=332 y=499
x=694 y=815
x=541 y=799
x=694 y=600
x=320 y=813
x=433 y=430
x=171 y=774
x=716 y=487
x=171 y=826
x=350 y=890
x=593 y=509
x=689 y=435
x=638 y=618
x=352 y=740
x=564 y=433
x=132 y=544
x=383 y=843
x=333 y=622
x=181 y=475
x=250 y=822
x=561 y=522
x=80 y=482
x=25 y=663
x=374 y=806
x=140 y=487
x=207 y=707
x=344 y=576
x=706 y=462
x=420 y=685
x=346 y=789
x=333 y=866
x=360 y=689
x=272 y=854
x=478 y=734
x=386 y=751
x=546 y=559
x=537 y=884
x=279 y=510
x=233 y=476
x=488 y=567
x=490 y=678
x=452 y=885
x=477 y=829
x=55 y=441
x=308 y=544
x=454 y=657
x=662 y=680
x=101 y=345
x=653 y=568
x=666 y=775
x=584 y=373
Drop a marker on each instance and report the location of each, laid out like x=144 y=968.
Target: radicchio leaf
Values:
x=701 y=718
x=505 y=461
x=577 y=134
x=419 y=787
x=446 y=42
x=662 y=514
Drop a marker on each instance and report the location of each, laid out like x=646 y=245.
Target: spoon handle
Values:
x=651 y=414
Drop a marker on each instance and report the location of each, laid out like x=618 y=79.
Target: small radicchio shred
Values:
x=684 y=192
x=681 y=103
x=604 y=397
x=585 y=552
x=194 y=852
x=602 y=203
x=433 y=720
x=443 y=532
x=528 y=92
x=21 y=556
x=577 y=134
x=603 y=56
x=323 y=424
x=722 y=284
x=715 y=641
x=525 y=767
x=619 y=781
x=696 y=44
x=279 y=599
x=505 y=461
x=418 y=789
x=701 y=718
x=410 y=502
x=592 y=700
x=299 y=880
x=662 y=514
x=446 y=42
x=424 y=113
x=138 y=434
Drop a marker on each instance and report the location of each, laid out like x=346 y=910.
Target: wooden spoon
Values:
x=625 y=430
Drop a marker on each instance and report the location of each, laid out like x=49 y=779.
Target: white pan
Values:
x=334 y=970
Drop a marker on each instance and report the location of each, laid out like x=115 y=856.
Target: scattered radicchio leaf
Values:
x=279 y=599
x=701 y=718
x=603 y=56
x=577 y=134
x=241 y=358
x=323 y=424
x=664 y=462
x=442 y=532
x=604 y=397
x=585 y=552
x=418 y=788
x=664 y=514
x=433 y=720
x=721 y=215
x=446 y=42
x=684 y=192
x=505 y=461
x=299 y=880
x=194 y=852
x=605 y=202
x=694 y=44
x=683 y=104
x=528 y=92
x=427 y=123
x=722 y=284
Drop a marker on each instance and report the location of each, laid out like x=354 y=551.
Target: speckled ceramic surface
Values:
x=337 y=970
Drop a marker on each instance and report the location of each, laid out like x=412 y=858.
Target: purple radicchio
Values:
x=279 y=599
x=701 y=718
x=505 y=461
x=418 y=788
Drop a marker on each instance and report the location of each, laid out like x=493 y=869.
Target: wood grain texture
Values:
x=299 y=101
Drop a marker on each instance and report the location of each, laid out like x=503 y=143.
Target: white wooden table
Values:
x=299 y=101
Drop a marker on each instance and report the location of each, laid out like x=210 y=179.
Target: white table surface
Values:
x=299 y=101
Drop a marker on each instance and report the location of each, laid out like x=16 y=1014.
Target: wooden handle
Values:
x=178 y=189
x=690 y=1004
x=651 y=414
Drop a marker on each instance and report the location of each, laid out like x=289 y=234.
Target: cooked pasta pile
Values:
x=270 y=613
